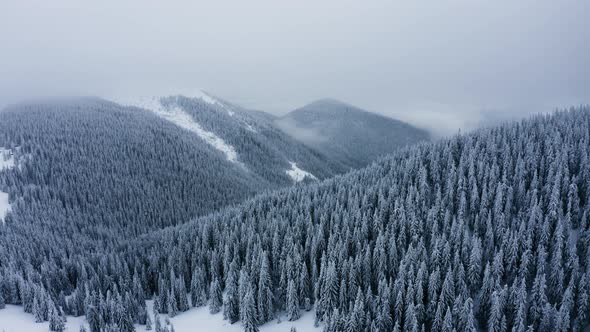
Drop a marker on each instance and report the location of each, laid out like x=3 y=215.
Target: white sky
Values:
x=434 y=63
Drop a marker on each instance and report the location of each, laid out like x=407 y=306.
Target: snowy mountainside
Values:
x=156 y=164
x=469 y=233
x=85 y=156
x=246 y=137
x=93 y=174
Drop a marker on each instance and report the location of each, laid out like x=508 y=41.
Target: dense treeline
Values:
x=108 y=169
x=484 y=231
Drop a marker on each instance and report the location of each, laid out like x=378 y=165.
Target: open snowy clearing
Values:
x=4 y=206
x=297 y=174
x=14 y=319
x=199 y=319
x=182 y=119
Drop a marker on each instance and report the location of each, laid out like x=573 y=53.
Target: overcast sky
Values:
x=434 y=63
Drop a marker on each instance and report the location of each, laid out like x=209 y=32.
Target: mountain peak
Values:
x=348 y=134
x=326 y=103
x=149 y=100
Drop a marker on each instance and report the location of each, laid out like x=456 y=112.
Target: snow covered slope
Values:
x=199 y=319
x=6 y=159
x=297 y=174
x=4 y=206
x=14 y=319
x=247 y=138
x=179 y=117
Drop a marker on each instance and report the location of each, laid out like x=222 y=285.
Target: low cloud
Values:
x=306 y=135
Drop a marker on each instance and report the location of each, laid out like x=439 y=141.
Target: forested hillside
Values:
x=347 y=133
x=487 y=231
x=83 y=174
x=247 y=138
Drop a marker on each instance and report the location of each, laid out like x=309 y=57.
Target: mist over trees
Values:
x=489 y=231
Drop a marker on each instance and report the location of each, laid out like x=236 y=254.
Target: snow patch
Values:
x=249 y=127
x=199 y=319
x=14 y=319
x=297 y=174
x=210 y=100
x=199 y=94
x=179 y=117
x=4 y=206
x=6 y=159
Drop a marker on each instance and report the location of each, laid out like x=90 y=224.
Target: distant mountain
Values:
x=348 y=134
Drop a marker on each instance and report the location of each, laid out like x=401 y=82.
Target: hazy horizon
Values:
x=442 y=66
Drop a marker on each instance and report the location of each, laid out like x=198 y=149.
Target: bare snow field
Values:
x=184 y=120
x=297 y=174
x=14 y=319
x=6 y=159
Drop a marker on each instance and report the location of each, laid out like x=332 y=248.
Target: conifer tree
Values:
x=216 y=297
x=292 y=302
x=249 y=319
x=198 y=295
x=56 y=321
x=172 y=304
x=356 y=319
x=148 y=323
x=231 y=308
x=448 y=321
x=37 y=311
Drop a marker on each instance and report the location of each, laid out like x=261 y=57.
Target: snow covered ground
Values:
x=199 y=319
x=14 y=319
x=179 y=117
x=4 y=206
x=297 y=174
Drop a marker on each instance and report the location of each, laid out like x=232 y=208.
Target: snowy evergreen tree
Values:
x=216 y=300
x=231 y=307
x=292 y=302
x=249 y=319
